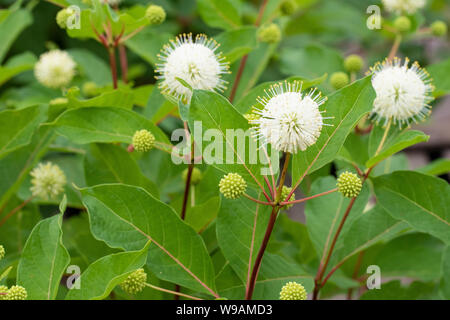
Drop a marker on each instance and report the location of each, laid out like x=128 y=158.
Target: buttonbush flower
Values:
x=339 y=80
x=289 y=119
x=402 y=24
x=284 y=194
x=293 y=291
x=353 y=63
x=196 y=176
x=155 y=14
x=16 y=293
x=270 y=33
x=62 y=16
x=403 y=6
x=55 y=69
x=58 y=101
x=143 y=140
x=48 y=180
x=135 y=282
x=402 y=92
x=232 y=186
x=195 y=63
x=349 y=184
x=439 y=28
x=3 y=289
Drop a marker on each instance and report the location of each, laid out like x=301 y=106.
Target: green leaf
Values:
x=103 y=124
x=445 y=282
x=123 y=98
x=436 y=168
x=18 y=126
x=219 y=13
x=16 y=65
x=148 y=43
x=127 y=217
x=44 y=260
x=13 y=22
x=92 y=66
x=100 y=278
x=439 y=73
x=347 y=106
x=393 y=290
x=421 y=200
x=200 y=216
x=213 y=111
x=396 y=141
x=324 y=214
x=113 y=164
x=236 y=43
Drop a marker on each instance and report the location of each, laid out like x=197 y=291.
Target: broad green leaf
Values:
x=240 y=228
x=445 y=281
x=236 y=43
x=122 y=97
x=437 y=167
x=113 y=164
x=394 y=143
x=347 y=106
x=11 y=25
x=100 y=278
x=202 y=215
x=324 y=214
x=246 y=102
x=439 y=74
x=235 y=148
x=394 y=290
x=92 y=66
x=44 y=260
x=396 y=162
x=219 y=13
x=18 y=126
x=421 y=200
x=16 y=65
x=103 y=124
x=148 y=43
x=127 y=217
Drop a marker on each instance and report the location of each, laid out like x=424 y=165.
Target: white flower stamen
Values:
x=48 y=180
x=402 y=92
x=194 y=62
x=55 y=69
x=403 y=6
x=289 y=120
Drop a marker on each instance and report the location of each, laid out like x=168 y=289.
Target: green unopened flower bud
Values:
x=284 y=194
x=3 y=292
x=90 y=89
x=349 y=184
x=251 y=117
x=143 y=140
x=288 y=7
x=135 y=282
x=58 y=101
x=155 y=14
x=402 y=24
x=293 y=291
x=196 y=176
x=232 y=186
x=16 y=293
x=339 y=80
x=2 y=252
x=270 y=33
x=62 y=17
x=353 y=63
x=439 y=28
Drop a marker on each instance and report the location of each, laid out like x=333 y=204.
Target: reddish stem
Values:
x=258 y=201
x=113 y=66
x=308 y=198
x=123 y=62
x=15 y=210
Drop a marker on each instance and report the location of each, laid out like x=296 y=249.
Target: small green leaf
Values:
x=236 y=43
x=436 y=168
x=11 y=25
x=439 y=73
x=219 y=13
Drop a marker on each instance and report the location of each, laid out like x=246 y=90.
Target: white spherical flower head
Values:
x=402 y=92
x=48 y=180
x=55 y=69
x=289 y=119
x=194 y=62
x=403 y=6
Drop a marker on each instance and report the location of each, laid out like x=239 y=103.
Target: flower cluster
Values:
x=55 y=69
x=284 y=194
x=48 y=180
x=13 y=293
x=135 y=282
x=143 y=140
x=293 y=291
x=403 y=6
x=349 y=184
x=289 y=120
x=232 y=186
x=196 y=175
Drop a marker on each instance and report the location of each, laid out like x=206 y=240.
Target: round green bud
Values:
x=293 y=291
x=59 y=101
x=135 y=282
x=402 y=24
x=155 y=14
x=3 y=290
x=439 y=28
x=284 y=194
x=90 y=89
x=143 y=140
x=288 y=7
x=270 y=33
x=232 y=186
x=196 y=176
x=353 y=63
x=2 y=252
x=16 y=293
x=349 y=184
x=251 y=117
x=62 y=16
x=339 y=80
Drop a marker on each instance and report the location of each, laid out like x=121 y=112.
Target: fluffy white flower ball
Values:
x=194 y=62
x=48 y=180
x=403 y=6
x=55 y=69
x=289 y=119
x=402 y=92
